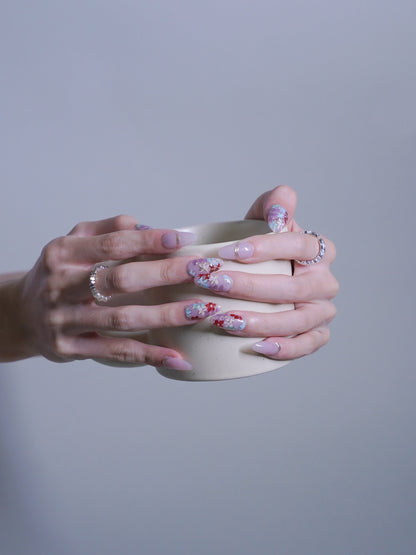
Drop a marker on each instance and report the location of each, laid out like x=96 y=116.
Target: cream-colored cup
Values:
x=213 y=353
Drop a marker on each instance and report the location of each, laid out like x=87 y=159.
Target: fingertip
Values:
x=178 y=239
x=282 y=196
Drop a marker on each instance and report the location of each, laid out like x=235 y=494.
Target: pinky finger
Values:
x=289 y=348
x=126 y=351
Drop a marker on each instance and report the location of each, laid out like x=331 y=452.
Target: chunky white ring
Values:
x=98 y=297
x=320 y=255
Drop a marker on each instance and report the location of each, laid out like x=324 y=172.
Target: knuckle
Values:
x=54 y=319
x=300 y=244
x=168 y=271
x=112 y=246
x=298 y=289
x=79 y=229
x=51 y=292
x=124 y=351
x=52 y=254
x=332 y=312
x=120 y=279
x=168 y=316
x=302 y=322
x=325 y=335
x=62 y=346
x=246 y=284
x=334 y=288
x=332 y=251
x=123 y=221
x=121 y=320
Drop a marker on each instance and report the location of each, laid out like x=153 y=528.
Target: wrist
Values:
x=14 y=340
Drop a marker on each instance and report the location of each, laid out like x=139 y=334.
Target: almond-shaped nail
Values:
x=229 y=321
x=277 y=218
x=198 y=311
x=174 y=363
x=215 y=282
x=203 y=266
x=176 y=239
x=143 y=227
x=235 y=251
x=268 y=348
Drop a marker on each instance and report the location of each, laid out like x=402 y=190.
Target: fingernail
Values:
x=229 y=321
x=203 y=266
x=176 y=239
x=277 y=218
x=174 y=363
x=215 y=282
x=236 y=250
x=267 y=348
x=143 y=227
x=198 y=311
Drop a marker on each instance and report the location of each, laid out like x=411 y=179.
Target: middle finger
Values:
x=271 y=288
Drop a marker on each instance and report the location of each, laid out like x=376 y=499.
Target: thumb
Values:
x=277 y=207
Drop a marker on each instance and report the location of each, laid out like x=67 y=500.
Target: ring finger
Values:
x=132 y=318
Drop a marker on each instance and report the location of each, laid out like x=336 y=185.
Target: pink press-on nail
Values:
x=199 y=311
x=268 y=348
x=277 y=218
x=174 y=363
x=240 y=250
x=203 y=266
x=215 y=281
x=176 y=239
x=229 y=321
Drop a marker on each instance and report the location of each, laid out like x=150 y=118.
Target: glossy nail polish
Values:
x=277 y=218
x=203 y=266
x=268 y=348
x=214 y=282
x=229 y=321
x=176 y=239
x=143 y=227
x=199 y=311
x=174 y=363
x=235 y=251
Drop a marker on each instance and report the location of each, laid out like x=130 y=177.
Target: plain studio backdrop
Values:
x=180 y=112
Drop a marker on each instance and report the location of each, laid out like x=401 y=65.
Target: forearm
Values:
x=13 y=340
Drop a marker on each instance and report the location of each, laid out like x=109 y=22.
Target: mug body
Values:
x=213 y=353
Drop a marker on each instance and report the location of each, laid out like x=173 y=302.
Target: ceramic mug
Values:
x=213 y=353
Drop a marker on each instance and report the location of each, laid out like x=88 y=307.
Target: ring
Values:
x=98 y=297
x=320 y=255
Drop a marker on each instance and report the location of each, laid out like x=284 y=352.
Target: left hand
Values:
x=294 y=333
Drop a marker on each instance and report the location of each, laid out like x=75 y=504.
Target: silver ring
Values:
x=320 y=255
x=98 y=297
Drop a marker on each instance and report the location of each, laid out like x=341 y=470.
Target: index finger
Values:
x=124 y=244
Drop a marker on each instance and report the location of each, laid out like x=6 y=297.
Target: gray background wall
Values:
x=179 y=112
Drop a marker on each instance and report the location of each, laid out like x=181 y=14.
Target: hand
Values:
x=290 y=334
x=57 y=317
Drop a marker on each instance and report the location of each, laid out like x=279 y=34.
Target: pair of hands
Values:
x=56 y=316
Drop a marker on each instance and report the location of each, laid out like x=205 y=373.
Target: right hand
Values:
x=61 y=320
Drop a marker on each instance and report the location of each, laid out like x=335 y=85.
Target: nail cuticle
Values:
x=177 y=239
x=239 y=251
x=199 y=311
x=267 y=348
x=203 y=266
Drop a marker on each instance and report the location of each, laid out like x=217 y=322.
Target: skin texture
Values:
x=49 y=310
